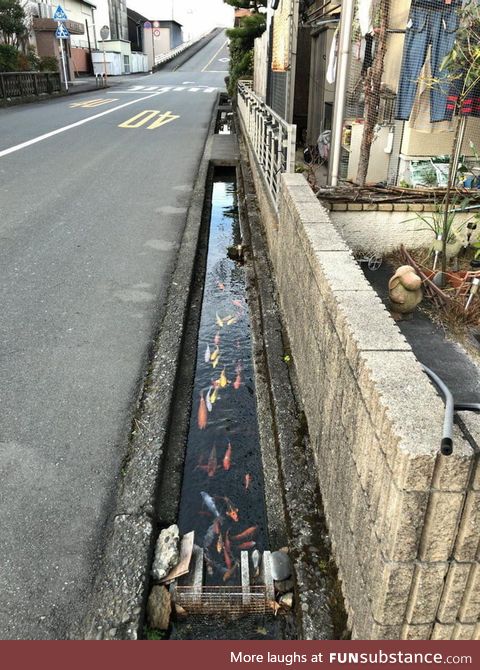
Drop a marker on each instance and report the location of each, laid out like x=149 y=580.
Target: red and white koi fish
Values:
x=247 y=480
x=207 y=354
x=247 y=545
x=238 y=303
x=245 y=534
x=217 y=339
x=202 y=418
x=238 y=381
x=227 y=458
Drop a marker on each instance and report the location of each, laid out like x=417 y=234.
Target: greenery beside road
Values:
x=242 y=39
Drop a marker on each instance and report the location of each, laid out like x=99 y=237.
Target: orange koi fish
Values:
x=218 y=320
x=232 y=511
x=212 y=462
x=227 y=457
x=247 y=545
x=223 y=381
x=227 y=557
x=238 y=381
x=230 y=572
x=247 y=480
x=245 y=534
x=216 y=339
x=202 y=418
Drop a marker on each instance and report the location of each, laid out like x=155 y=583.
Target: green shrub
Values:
x=9 y=57
x=48 y=64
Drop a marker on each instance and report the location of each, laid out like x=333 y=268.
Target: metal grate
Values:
x=226 y=600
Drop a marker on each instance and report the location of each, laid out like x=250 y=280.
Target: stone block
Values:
x=339 y=207
x=442 y=631
x=453 y=592
x=401 y=524
x=159 y=608
x=389 y=601
x=385 y=207
x=441 y=520
x=413 y=632
x=464 y=631
x=354 y=207
x=452 y=473
x=470 y=608
x=467 y=540
x=427 y=587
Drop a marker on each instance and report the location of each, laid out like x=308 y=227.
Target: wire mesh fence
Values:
x=411 y=116
x=232 y=601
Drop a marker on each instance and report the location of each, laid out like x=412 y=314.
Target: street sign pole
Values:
x=104 y=34
x=64 y=65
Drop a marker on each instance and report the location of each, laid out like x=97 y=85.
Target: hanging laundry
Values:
x=365 y=16
x=431 y=23
x=420 y=116
x=332 y=58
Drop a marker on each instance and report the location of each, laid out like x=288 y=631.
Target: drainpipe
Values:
x=289 y=107
x=344 y=49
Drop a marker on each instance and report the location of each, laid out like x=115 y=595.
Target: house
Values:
x=153 y=37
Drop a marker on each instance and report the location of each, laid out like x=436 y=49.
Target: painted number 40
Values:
x=156 y=118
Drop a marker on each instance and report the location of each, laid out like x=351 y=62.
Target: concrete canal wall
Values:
x=404 y=520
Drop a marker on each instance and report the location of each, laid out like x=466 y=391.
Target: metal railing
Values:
x=23 y=84
x=271 y=138
x=164 y=58
x=234 y=601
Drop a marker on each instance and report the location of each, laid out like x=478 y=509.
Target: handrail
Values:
x=271 y=138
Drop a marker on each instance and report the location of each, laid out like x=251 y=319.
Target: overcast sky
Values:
x=197 y=16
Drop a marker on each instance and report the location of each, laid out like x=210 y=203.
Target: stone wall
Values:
x=404 y=520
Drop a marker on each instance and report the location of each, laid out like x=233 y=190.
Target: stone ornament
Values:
x=405 y=292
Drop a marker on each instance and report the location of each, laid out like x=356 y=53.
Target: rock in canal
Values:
x=284 y=586
x=281 y=566
x=167 y=552
x=286 y=601
x=159 y=608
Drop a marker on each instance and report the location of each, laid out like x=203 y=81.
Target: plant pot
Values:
x=456 y=279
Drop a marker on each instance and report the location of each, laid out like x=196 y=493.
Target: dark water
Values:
x=235 y=487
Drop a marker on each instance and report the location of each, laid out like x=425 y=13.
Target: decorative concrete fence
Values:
x=404 y=520
x=25 y=84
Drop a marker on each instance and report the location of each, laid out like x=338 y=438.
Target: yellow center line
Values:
x=214 y=56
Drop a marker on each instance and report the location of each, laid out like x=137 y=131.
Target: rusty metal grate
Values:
x=226 y=600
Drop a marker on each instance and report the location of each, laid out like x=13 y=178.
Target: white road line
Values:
x=179 y=88
x=209 y=89
x=40 y=138
x=214 y=56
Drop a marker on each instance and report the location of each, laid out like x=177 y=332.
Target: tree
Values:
x=13 y=28
x=242 y=39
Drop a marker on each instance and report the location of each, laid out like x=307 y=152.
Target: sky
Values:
x=197 y=16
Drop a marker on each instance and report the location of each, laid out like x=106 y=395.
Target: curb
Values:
x=120 y=589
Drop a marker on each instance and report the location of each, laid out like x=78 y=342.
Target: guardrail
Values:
x=24 y=84
x=164 y=58
x=271 y=138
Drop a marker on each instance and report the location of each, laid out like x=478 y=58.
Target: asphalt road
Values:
x=94 y=192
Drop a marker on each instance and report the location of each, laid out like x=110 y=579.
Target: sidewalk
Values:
x=85 y=84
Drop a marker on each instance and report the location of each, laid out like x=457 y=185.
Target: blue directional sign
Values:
x=62 y=33
x=60 y=14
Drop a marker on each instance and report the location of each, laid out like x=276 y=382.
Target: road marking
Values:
x=191 y=89
x=214 y=56
x=96 y=102
x=147 y=115
x=52 y=133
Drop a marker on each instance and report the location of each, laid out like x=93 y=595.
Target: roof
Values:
x=139 y=18
x=89 y=3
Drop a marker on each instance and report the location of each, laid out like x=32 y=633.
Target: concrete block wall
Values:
x=404 y=520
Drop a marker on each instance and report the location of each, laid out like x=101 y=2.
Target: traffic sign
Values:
x=59 y=14
x=62 y=33
x=156 y=32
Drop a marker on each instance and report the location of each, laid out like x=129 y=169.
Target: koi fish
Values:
x=227 y=543
x=247 y=480
x=238 y=382
x=256 y=562
x=210 y=503
x=232 y=511
x=214 y=396
x=215 y=362
x=212 y=462
x=238 y=367
x=207 y=354
x=218 y=320
x=221 y=286
x=237 y=303
x=202 y=418
x=227 y=457
x=230 y=572
x=219 y=544
x=227 y=557
x=247 y=545
x=218 y=524
x=209 y=537
x=223 y=381
x=216 y=339
x=245 y=534
x=215 y=354
x=232 y=320
x=208 y=400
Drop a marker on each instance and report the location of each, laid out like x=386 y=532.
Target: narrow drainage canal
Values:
x=222 y=496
